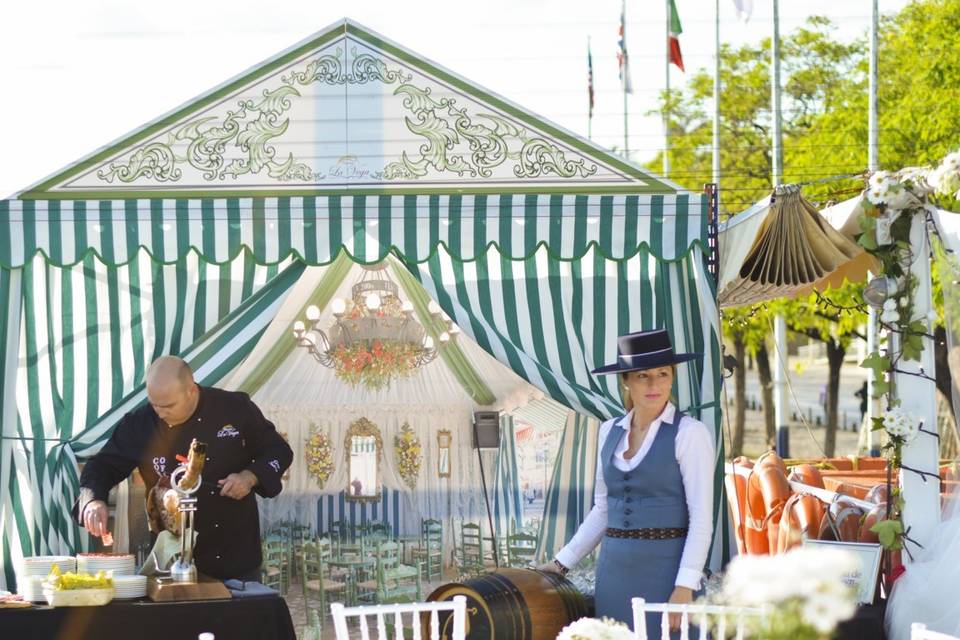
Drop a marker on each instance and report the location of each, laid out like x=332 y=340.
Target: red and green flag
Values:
x=675 y=30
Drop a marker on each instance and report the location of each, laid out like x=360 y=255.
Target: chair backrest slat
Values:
x=458 y=608
x=703 y=615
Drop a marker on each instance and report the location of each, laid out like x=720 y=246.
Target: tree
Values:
x=746 y=329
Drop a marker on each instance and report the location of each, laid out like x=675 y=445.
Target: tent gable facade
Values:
x=346 y=110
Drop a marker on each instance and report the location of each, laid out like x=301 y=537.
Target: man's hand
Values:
x=95 y=516
x=680 y=595
x=238 y=485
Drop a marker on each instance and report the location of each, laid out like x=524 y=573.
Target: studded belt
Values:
x=648 y=534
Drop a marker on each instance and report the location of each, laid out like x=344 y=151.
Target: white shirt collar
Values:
x=665 y=417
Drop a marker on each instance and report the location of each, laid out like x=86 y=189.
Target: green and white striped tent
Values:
x=185 y=236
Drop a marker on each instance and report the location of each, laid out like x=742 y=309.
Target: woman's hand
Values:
x=680 y=595
x=550 y=567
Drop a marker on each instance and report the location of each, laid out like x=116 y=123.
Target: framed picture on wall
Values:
x=865 y=579
x=444 y=440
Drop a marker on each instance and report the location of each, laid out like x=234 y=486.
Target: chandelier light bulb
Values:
x=444 y=338
x=338 y=306
x=298 y=328
x=428 y=343
x=454 y=330
x=373 y=301
x=407 y=306
x=433 y=308
x=313 y=313
x=311 y=338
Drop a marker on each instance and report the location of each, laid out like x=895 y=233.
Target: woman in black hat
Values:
x=653 y=498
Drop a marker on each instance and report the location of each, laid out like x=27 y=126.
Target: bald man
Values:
x=245 y=456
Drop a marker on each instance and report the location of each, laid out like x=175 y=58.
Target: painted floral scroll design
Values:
x=253 y=128
x=474 y=146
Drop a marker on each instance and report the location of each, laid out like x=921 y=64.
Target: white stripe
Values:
x=195 y=228
x=669 y=226
x=168 y=230
x=346 y=225
x=272 y=241
x=105 y=372
x=221 y=239
x=126 y=324
x=80 y=389
x=464 y=244
x=568 y=229
x=148 y=310
x=245 y=207
x=42 y=225
x=16 y=239
x=118 y=228
x=189 y=300
x=144 y=226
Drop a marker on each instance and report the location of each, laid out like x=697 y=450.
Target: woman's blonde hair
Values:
x=625 y=392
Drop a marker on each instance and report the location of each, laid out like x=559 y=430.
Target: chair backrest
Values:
x=919 y=631
x=521 y=547
x=311 y=562
x=337 y=530
x=392 y=614
x=431 y=532
x=714 y=620
x=470 y=535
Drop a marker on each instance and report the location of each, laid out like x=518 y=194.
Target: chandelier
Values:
x=374 y=336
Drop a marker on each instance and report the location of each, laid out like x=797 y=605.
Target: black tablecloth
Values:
x=264 y=618
x=866 y=624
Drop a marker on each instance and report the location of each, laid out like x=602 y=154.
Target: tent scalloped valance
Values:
x=316 y=228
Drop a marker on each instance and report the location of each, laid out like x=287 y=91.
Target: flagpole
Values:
x=780 y=323
x=590 y=89
x=716 y=102
x=626 y=79
x=666 y=106
x=873 y=163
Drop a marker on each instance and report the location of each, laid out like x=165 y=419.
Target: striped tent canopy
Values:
x=542 y=254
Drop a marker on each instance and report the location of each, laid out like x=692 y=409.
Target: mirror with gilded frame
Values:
x=364 y=448
x=444 y=440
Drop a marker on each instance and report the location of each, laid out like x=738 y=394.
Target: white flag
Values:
x=744 y=9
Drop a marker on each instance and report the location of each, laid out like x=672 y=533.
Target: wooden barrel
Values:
x=514 y=604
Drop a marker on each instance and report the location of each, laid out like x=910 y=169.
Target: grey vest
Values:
x=651 y=495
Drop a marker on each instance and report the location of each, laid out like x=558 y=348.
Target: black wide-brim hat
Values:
x=644 y=350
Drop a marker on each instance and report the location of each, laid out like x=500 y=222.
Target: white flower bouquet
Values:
x=806 y=592
x=899 y=424
x=593 y=629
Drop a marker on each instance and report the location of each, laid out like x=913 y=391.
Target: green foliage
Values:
x=890 y=533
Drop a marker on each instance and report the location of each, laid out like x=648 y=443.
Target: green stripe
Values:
x=136 y=320
x=283 y=227
x=359 y=229
x=209 y=228
x=383 y=223
x=130 y=216
x=54 y=229
x=480 y=225
x=200 y=301
x=29 y=230
x=6 y=234
x=334 y=226
x=310 y=230
x=234 y=237
x=435 y=215
x=656 y=225
x=92 y=341
x=160 y=345
x=182 y=208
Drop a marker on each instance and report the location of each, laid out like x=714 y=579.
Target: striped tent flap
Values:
x=367 y=226
x=569 y=497
x=507 y=501
x=87 y=334
x=562 y=319
x=393 y=508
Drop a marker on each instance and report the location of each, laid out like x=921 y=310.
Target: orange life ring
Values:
x=801 y=519
x=807 y=474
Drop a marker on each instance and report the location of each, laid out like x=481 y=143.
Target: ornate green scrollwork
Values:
x=487 y=139
x=253 y=129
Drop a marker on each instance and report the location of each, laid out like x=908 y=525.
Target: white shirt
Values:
x=695 y=452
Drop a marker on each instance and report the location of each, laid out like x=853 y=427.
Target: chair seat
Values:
x=328 y=585
x=272 y=571
x=368 y=584
x=400 y=572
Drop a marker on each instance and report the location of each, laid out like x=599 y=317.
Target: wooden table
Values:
x=237 y=619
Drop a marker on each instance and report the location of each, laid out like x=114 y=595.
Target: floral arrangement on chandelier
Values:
x=409 y=455
x=892 y=203
x=374 y=366
x=319 y=455
x=818 y=595
x=595 y=629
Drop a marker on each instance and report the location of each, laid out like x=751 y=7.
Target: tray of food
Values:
x=78 y=589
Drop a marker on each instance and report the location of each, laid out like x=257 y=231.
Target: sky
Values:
x=81 y=73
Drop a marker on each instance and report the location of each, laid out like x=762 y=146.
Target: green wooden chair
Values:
x=393 y=581
x=521 y=549
x=471 y=550
x=316 y=579
x=430 y=550
x=274 y=567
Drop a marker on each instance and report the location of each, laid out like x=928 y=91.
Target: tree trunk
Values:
x=739 y=398
x=835 y=354
x=766 y=386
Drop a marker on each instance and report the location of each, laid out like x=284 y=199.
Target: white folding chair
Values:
x=708 y=618
x=919 y=631
x=392 y=614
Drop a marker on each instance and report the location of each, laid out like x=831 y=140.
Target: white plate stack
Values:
x=129 y=587
x=33 y=571
x=122 y=564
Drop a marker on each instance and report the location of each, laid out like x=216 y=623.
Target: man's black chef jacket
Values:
x=238 y=437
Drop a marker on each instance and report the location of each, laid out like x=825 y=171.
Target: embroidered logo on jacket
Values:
x=228 y=431
x=275 y=465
